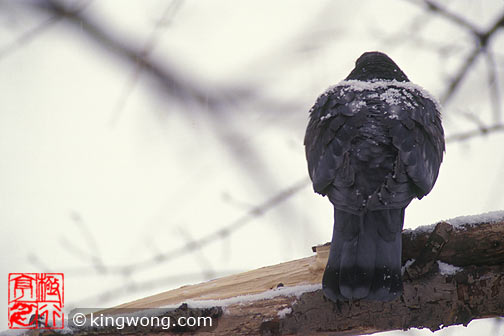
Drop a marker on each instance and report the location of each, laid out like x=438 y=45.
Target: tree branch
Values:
x=286 y=299
x=474 y=133
x=179 y=88
x=194 y=245
x=483 y=39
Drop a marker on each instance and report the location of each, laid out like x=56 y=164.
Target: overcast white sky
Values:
x=80 y=180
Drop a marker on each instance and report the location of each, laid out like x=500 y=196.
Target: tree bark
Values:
x=432 y=298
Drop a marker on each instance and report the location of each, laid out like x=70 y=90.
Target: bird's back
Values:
x=373 y=143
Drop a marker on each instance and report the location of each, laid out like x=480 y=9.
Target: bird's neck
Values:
x=377 y=71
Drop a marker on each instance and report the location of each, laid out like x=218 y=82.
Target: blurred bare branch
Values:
x=150 y=44
x=28 y=36
x=473 y=117
x=436 y=8
x=179 y=87
x=184 y=90
x=194 y=245
x=38 y=263
x=493 y=86
x=161 y=282
x=221 y=233
x=482 y=45
x=482 y=39
x=475 y=133
x=38 y=29
x=219 y=101
x=205 y=265
x=191 y=246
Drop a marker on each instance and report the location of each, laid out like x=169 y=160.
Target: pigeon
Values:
x=374 y=142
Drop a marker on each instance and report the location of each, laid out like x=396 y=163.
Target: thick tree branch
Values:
x=286 y=299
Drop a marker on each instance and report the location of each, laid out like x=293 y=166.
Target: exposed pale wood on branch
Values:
x=430 y=299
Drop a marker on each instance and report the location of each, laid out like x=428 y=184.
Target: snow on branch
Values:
x=453 y=273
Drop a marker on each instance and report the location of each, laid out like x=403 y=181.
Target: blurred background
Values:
x=146 y=145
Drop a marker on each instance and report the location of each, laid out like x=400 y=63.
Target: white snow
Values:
x=13 y=332
x=356 y=105
x=444 y=268
x=463 y=222
x=282 y=313
x=327 y=116
x=392 y=96
x=421 y=229
x=466 y=221
x=66 y=329
x=406 y=265
x=447 y=269
x=296 y=291
x=357 y=85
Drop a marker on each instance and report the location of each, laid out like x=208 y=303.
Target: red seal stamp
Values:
x=36 y=301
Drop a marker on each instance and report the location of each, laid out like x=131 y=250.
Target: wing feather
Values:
x=413 y=127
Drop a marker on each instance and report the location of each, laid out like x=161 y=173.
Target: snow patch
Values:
x=296 y=291
x=462 y=222
x=392 y=96
x=13 y=332
x=406 y=265
x=421 y=229
x=327 y=116
x=282 y=313
x=357 y=105
x=467 y=221
x=357 y=85
x=447 y=269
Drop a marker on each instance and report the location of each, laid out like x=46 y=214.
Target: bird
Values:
x=373 y=143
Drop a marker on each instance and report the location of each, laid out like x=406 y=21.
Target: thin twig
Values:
x=455 y=82
x=197 y=244
x=171 y=81
x=475 y=133
x=223 y=232
x=455 y=18
x=205 y=264
x=150 y=45
x=95 y=258
x=493 y=86
x=36 y=31
x=164 y=282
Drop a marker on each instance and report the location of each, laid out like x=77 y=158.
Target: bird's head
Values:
x=376 y=65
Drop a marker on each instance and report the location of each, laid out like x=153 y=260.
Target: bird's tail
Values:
x=365 y=256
